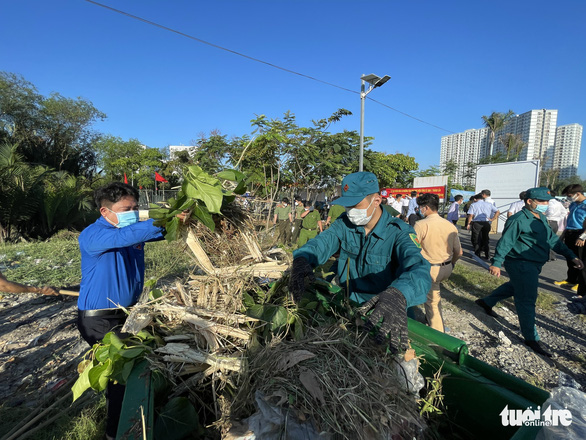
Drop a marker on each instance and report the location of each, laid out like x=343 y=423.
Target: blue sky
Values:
x=450 y=61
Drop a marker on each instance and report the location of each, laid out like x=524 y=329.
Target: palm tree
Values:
x=513 y=145
x=495 y=122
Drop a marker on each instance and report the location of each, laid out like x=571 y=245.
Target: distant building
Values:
x=174 y=149
x=568 y=140
x=556 y=147
x=464 y=148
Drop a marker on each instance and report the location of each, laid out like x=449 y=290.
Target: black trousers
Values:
x=575 y=276
x=480 y=231
x=93 y=329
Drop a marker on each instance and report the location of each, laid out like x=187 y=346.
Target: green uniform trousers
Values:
x=524 y=278
x=297 y=229
x=305 y=235
x=284 y=228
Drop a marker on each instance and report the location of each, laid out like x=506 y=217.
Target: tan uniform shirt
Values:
x=439 y=239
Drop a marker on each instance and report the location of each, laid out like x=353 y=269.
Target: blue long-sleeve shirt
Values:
x=112 y=263
x=389 y=255
x=577 y=215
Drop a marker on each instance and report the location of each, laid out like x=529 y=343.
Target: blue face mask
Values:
x=125 y=218
x=541 y=208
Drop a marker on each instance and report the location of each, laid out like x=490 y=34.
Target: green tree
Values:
x=117 y=157
x=513 y=144
x=212 y=152
x=450 y=169
x=54 y=131
x=496 y=122
x=431 y=171
x=391 y=170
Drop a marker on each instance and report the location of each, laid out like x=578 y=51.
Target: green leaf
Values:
x=102 y=352
x=176 y=420
x=203 y=215
x=133 y=352
x=247 y=300
x=279 y=318
x=200 y=185
x=100 y=375
x=241 y=188
x=233 y=175
x=171 y=229
x=158 y=213
x=256 y=311
x=155 y=294
x=126 y=370
x=115 y=341
x=81 y=384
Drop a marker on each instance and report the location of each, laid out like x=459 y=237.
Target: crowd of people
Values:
x=391 y=253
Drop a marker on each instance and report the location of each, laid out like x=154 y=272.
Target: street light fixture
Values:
x=374 y=81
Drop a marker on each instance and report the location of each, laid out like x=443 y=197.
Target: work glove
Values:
x=300 y=271
x=391 y=307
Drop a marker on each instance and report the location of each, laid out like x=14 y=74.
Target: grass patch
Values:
x=57 y=261
x=477 y=283
x=546 y=300
x=89 y=423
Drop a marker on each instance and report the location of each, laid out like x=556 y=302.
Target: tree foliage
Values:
x=54 y=131
x=496 y=122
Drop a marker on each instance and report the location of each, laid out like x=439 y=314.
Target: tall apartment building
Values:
x=465 y=148
x=568 y=140
x=536 y=128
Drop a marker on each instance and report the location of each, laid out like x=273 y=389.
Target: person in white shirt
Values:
x=486 y=196
x=517 y=206
x=556 y=213
x=454 y=211
x=405 y=201
x=398 y=203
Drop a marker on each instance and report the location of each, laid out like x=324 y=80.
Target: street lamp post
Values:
x=374 y=81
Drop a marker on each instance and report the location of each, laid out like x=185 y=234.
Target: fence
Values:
x=148 y=196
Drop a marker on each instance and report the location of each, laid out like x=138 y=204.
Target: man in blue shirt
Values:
x=112 y=273
x=574 y=238
x=480 y=215
x=380 y=259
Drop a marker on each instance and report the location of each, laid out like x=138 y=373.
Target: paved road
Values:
x=552 y=271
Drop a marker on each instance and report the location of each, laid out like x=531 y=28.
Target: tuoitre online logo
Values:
x=531 y=417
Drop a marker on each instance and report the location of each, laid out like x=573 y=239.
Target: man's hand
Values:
x=299 y=272
x=578 y=263
x=46 y=290
x=580 y=243
x=468 y=227
x=391 y=307
x=496 y=271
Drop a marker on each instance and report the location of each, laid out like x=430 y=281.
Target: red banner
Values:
x=439 y=190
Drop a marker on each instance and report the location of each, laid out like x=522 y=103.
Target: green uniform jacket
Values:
x=282 y=212
x=335 y=212
x=310 y=220
x=528 y=238
x=391 y=210
x=389 y=256
x=298 y=211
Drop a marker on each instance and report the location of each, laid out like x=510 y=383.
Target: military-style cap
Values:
x=542 y=193
x=355 y=187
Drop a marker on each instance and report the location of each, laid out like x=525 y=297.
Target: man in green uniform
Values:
x=334 y=212
x=311 y=222
x=283 y=219
x=299 y=209
x=380 y=260
x=524 y=249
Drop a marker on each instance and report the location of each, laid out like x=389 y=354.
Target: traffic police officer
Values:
x=524 y=249
x=380 y=259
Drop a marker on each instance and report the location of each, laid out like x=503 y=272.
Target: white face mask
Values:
x=360 y=217
x=574 y=198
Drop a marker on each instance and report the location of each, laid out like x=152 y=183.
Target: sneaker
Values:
x=575 y=288
x=537 y=348
x=486 y=308
x=561 y=283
